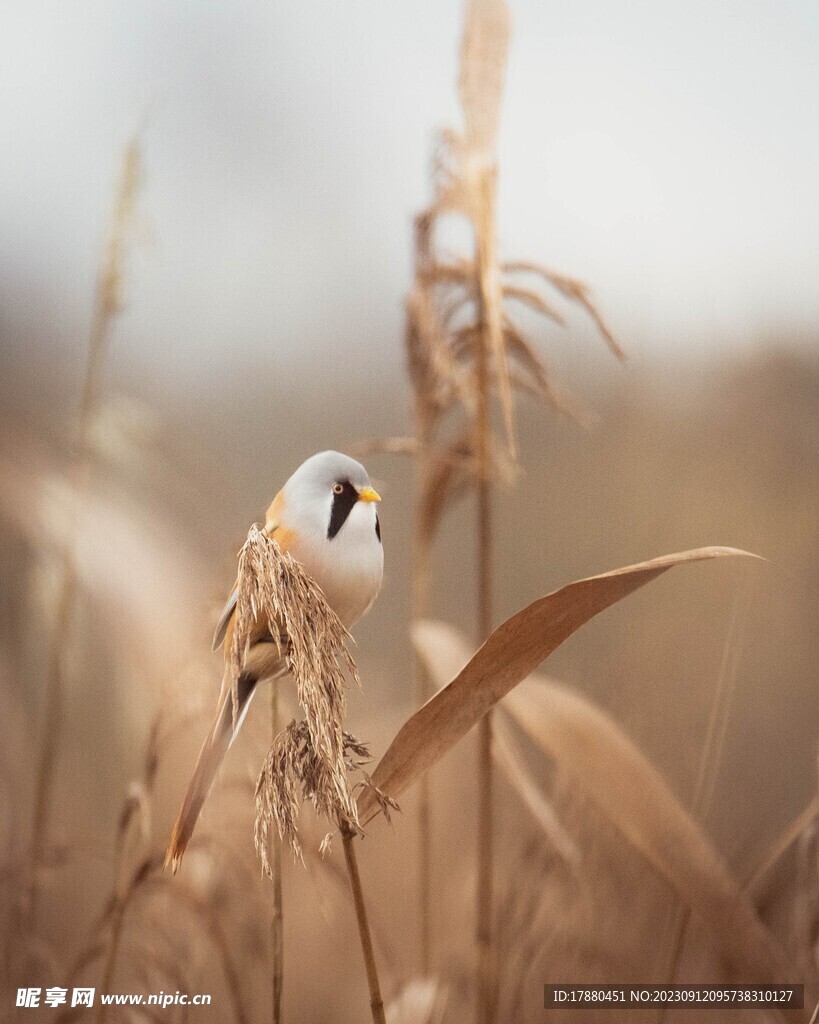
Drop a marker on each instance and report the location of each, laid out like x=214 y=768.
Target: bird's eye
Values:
x=338 y=488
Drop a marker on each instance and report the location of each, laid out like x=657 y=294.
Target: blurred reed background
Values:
x=263 y=273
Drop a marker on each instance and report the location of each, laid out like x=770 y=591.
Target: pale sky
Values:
x=667 y=153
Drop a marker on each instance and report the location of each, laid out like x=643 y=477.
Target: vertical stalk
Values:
x=711 y=756
x=483 y=442
x=124 y=888
x=486 y=963
x=424 y=421
x=425 y=875
x=113 y=952
x=106 y=307
x=419 y=610
x=67 y=593
x=277 y=925
x=376 y=1002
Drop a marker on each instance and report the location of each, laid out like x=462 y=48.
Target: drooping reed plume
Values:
x=274 y=588
x=466 y=354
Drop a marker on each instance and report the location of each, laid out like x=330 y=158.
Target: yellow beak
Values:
x=368 y=494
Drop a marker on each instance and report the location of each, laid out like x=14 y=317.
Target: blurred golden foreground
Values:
x=678 y=457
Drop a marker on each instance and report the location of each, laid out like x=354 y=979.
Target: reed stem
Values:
x=483 y=442
x=106 y=307
x=424 y=424
x=376 y=1002
x=277 y=925
x=113 y=953
x=423 y=690
x=711 y=757
x=425 y=874
x=68 y=585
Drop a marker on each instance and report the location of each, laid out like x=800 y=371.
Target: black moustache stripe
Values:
x=342 y=506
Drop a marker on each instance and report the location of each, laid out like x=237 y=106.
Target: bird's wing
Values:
x=224 y=619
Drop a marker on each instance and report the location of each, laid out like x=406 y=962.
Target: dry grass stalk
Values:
x=108 y=304
x=376 y=1000
x=277 y=920
x=463 y=351
x=135 y=814
x=139 y=878
x=810 y=815
x=806 y=916
x=711 y=759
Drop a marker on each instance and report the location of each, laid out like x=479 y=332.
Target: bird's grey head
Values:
x=327 y=488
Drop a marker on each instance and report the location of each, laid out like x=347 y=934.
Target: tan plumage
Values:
x=325 y=517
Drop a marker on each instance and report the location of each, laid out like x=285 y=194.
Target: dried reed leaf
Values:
x=808 y=817
x=575 y=291
x=505 y=752
x=153 y=598
x=522 y=353
x=510 y=654
x=448 y=474
x=602 y=763
x=535 y=301
x=431 y=367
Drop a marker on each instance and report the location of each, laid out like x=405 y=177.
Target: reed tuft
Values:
x=311 y=755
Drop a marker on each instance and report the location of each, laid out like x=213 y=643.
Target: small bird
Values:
x=325 y=517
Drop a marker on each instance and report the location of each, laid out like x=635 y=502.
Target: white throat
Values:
x=348 y=567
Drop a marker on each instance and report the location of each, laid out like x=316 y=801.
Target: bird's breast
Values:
x=349 y=574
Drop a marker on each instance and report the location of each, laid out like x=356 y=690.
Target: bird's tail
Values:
x=221 y=735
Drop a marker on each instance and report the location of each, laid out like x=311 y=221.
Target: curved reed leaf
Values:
x=511 y=653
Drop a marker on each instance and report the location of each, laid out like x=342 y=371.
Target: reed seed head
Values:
x=276 y=590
